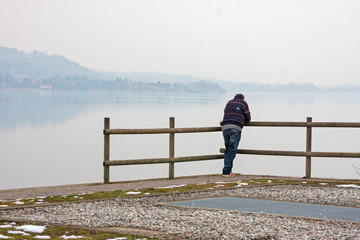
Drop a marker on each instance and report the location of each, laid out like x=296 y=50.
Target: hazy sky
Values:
x=269 y=41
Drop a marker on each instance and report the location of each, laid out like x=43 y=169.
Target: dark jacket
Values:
x=236 y=112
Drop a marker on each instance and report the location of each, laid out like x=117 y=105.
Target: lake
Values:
x=55 y=137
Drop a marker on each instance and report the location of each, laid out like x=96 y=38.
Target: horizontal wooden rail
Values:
x=162 y=130
x=296 y=153
x=336 y=124
x=276 y=124
x=304 y=124
x=217 y=129
x=163 y=160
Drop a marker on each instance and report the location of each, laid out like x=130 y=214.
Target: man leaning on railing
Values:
x=236 y=115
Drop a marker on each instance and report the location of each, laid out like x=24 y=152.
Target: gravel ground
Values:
x=151 y=213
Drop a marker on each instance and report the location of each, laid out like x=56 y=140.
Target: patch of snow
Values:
x=4 y=237
x=31 y=228
x=18 y=233
x=119 y=238
x=18 y=202
x=70 y=237
x=3 y=205
x=42 y=237
x=348 y=186
x=6 y=226
x=323 y=184
x=132 y=193
x=242 y=184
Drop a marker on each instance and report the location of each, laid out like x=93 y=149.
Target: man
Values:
x=236 y=115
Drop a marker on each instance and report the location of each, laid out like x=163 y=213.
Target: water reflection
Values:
x=53 y=138
x=37 y=108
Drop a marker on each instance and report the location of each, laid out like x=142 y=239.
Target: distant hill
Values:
x=38 y=64
x=39 y=70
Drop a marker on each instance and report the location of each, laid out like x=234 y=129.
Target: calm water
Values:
x=55 y=137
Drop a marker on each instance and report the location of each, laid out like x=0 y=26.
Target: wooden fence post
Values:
x=171 y=148
x=308 y=147
x=106 y=150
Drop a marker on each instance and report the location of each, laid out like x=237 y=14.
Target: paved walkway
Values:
x=283 y=208
x=23 y=193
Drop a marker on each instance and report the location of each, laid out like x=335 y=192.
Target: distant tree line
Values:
x=82 y=82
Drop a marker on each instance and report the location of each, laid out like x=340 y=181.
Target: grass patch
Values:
x=56 y=232
x=170 y=189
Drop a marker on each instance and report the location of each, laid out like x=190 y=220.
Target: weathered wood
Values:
x=221 y=156
x=336 y=154
x=276 y=124
x=308 y=148
x=164 y=160
x=336 y=124
x=216 y=129
x=171 y=148
x=106 y=150
x=296 y=153
x=162 y=130
x=268 y=152
x=304 y=124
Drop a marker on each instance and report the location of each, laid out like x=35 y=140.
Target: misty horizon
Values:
x=239 y=41
x=39 y=70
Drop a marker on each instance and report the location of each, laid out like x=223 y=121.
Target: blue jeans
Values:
x=232 y=138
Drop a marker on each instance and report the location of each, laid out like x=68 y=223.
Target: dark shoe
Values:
x=229 y=175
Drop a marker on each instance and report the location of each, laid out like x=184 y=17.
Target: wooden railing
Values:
x=172 y=130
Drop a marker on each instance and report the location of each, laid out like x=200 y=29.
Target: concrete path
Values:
x=23 y=193
x=286 y=208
